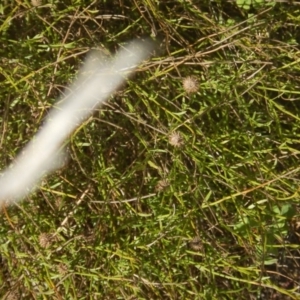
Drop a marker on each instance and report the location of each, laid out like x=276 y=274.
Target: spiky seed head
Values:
x=196 y=244
x=45 y=239
x=190 y=84
x=58 y=203
x=175 y=139
x=162 y=185
x=62 y=269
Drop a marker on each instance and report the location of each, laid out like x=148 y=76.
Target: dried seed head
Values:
x=162 y=185
x=36 y=2
x=190 y=84
x=58 y=203
x=45 y=239
x=175 y=139
x=62 y=269
x=196 y=244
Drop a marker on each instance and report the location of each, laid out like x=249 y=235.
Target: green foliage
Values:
x=119 y=220
x=256 y=4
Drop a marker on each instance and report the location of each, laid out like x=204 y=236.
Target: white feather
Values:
x=96 y=82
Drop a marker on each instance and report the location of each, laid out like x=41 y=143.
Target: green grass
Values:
x=104 y=227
